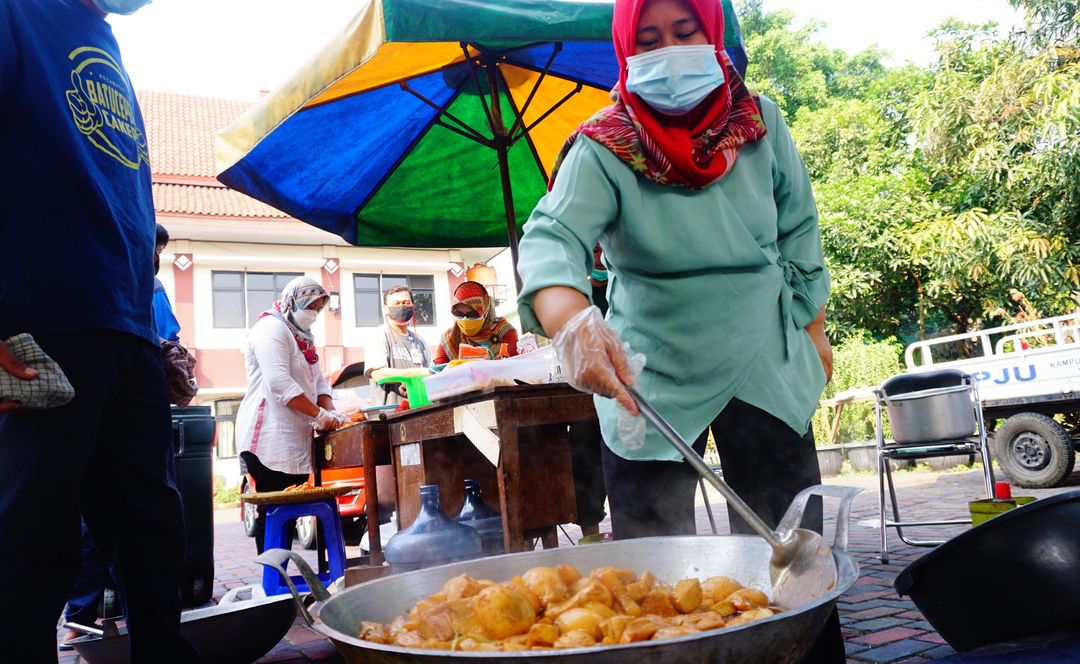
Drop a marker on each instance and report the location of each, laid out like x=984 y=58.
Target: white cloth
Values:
x=382 y=352
x=277 y=372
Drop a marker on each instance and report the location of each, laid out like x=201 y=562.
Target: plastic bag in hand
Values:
x=329 y=419
x=630 y=428
x=592 y=356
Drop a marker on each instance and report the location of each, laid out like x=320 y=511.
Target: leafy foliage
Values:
x=1050 y=22
x=857 y=362
x=948 y=194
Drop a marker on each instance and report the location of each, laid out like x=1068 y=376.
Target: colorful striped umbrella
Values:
x=430 y=123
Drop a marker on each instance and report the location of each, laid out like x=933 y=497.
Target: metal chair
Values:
x=932 y=414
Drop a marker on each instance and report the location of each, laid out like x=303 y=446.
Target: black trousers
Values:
x=763 y=460
x=109 y=454
x=267 y=480
x=82 y=606
x=589 y=494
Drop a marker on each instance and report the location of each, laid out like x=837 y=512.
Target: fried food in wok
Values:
x=557 y=607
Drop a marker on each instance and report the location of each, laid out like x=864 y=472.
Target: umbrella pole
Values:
x=502 y=147
x=508 y=204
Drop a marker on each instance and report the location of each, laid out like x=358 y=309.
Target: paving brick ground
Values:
x=879 y=626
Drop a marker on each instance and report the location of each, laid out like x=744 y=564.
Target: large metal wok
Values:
x=804 y=576
x=232 y=633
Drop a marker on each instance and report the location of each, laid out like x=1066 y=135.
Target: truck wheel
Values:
x=248 y=512
x=1034 y=451
x=306 y=532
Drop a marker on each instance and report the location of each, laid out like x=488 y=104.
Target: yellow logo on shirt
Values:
x=102 y=104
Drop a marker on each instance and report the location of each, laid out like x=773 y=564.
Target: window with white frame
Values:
x=368 y=292
x=225 y=415
x=239 y=297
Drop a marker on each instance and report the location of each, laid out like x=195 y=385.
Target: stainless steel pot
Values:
x=943 y=413
x=807 y=592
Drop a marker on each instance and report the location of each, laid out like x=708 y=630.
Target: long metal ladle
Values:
x=786 y=543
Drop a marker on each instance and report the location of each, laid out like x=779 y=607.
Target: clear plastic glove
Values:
x=628 y=426
x=327 y=420
x=593 y=359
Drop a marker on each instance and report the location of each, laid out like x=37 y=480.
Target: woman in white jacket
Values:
x=287 y=395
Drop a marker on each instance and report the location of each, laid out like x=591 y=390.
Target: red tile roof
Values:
x=211 y=202
x=181 y=130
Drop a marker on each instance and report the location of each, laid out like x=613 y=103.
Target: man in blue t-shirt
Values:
x=165 y=324
x=76 y=249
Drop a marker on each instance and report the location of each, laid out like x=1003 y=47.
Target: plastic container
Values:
x=193 y=440
x=482 y=518
x=417 y=395
x=482 y=374
x=987 y=508
x=433 y=538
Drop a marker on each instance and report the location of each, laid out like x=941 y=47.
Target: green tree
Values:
x=947 y=192
x=794 y=68
x=1050 y=22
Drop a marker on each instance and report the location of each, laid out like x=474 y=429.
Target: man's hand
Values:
x=13 y=366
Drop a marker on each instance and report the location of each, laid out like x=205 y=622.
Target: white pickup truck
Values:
x=1027 y=374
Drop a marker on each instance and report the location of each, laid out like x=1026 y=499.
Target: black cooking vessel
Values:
x=1015 y=575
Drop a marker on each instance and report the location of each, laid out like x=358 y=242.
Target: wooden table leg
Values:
x=834 y=430
x=371 y=491
x=550 y=537
x=321 y=558
x=510 y=479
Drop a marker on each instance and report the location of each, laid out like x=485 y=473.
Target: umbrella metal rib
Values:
x=556 y=49
x=465 y=130
x=502 y=139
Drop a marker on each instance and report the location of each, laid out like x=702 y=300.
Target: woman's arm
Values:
x=557 y=304
x=555 y=260
x=556 y=250
x=272 y=352
x=511 y=341
x=816 y=329
x=590 y=351
x=302 y=404
x=440 y=355
x=799 y=240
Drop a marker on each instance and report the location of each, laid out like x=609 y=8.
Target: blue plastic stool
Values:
x=277 y=523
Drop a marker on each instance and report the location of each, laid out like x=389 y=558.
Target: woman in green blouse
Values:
x=695 y=191
x=703 y=207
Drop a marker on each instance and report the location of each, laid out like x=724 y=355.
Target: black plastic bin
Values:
x=193 y=441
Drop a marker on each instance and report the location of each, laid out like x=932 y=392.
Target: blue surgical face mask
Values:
x=598 y=275
x=674 y=79
x=120 y=6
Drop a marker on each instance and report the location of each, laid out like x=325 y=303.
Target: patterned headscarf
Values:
x=298 y=294
x=473 y=294
x=692 y=150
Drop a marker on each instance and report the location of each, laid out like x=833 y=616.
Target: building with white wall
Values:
x=229 y=256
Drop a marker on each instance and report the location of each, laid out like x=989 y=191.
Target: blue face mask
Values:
x=674 y=79
x=598 y=275
x=120 y=6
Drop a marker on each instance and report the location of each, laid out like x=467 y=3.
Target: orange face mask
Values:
x=471 y=326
